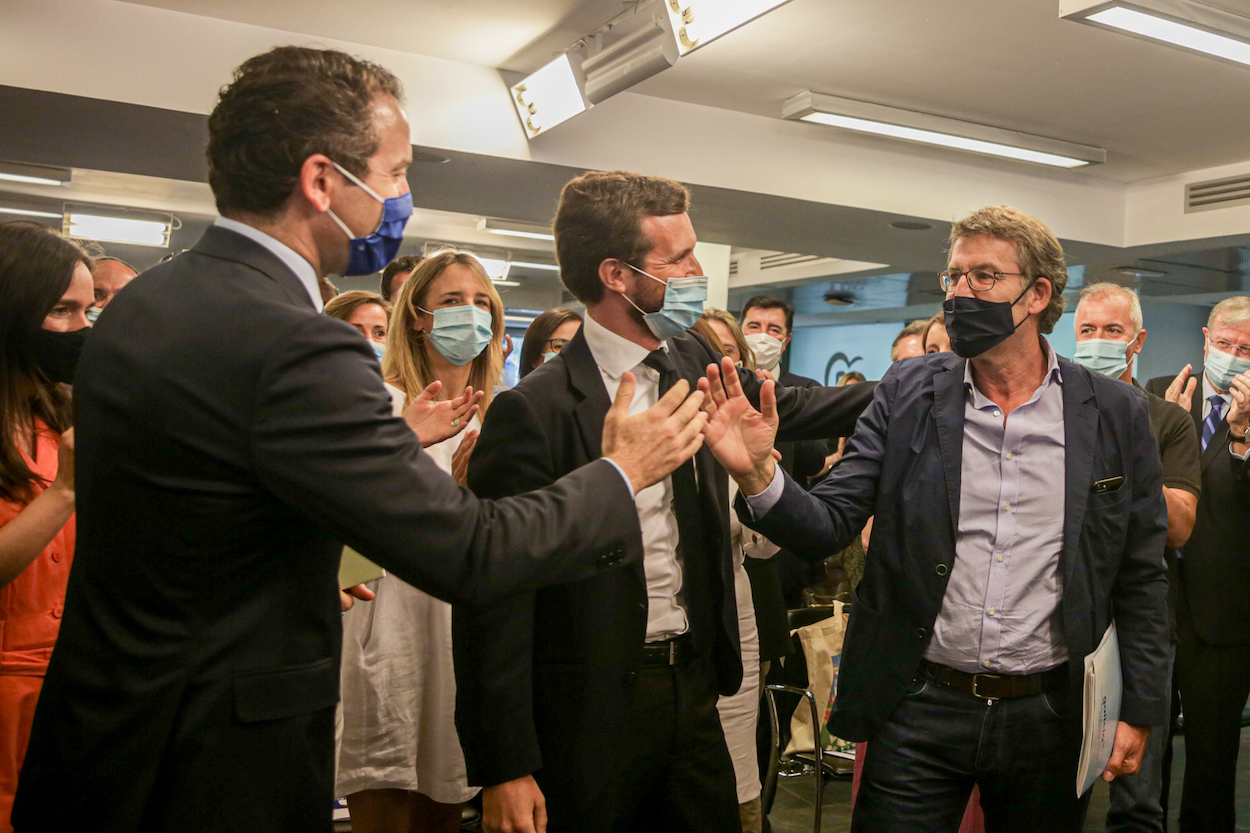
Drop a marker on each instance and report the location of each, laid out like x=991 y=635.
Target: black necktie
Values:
x=659 y=361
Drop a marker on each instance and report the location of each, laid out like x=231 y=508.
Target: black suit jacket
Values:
x=1214 y=578
x=544 y=680
x=903 y=465
x=230 y=439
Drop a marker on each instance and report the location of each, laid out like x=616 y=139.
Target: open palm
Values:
x=740 y=436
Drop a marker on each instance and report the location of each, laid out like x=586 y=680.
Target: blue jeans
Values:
x=1136 y=800
x=1022 y=751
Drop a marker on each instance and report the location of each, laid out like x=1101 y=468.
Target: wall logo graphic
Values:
x=833 y=360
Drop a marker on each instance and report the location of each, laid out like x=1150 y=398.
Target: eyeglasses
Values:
x=979 y=280
x=1242 y=350
x=557 y=344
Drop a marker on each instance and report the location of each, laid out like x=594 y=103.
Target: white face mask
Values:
x=767 y=350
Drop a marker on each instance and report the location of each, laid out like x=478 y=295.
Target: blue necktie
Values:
x=1213 y=419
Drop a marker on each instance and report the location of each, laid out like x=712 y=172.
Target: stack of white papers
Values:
x=1104 y=688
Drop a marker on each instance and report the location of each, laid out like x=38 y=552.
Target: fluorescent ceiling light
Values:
x=1192 y=26
x=502 y=282
x=550 y=96
x=696 y=23
x=34 y=174
x=532 y=231
x=26 y=212
x=497 y=268
x=546 y=267
x=117 y=225
x=878 y=119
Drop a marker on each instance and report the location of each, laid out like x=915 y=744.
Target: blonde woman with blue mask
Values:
x=400 y=763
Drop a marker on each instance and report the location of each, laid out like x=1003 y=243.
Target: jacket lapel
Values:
x=1080 y=436
x=586 y=381
x=228 y=245
x=948 y=413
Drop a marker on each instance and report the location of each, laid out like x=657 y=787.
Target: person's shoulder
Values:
x=924 y=367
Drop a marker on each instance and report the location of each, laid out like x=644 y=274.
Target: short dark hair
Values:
x=282 y=107
x=403 y=263
x=600 y=216
x=771 y=302
x=539 y=333
x=96 y=261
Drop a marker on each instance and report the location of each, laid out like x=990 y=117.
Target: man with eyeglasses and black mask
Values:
x=1019 y=509
x=231 y=440
x=1213 y=643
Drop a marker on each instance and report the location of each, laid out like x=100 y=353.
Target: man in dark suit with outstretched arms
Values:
x=593 y=703
x=1019 y=510
x=231 y=439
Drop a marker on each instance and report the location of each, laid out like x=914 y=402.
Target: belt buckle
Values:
x=975 y=678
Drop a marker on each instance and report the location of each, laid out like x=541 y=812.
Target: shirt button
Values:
x=986 y=663
x=1006 y=507
x=1000 y=558
x=57 y=611
x=1008 y=455
x=998 y=413
x=56 y=557
x=941 y=569
x=990 y=611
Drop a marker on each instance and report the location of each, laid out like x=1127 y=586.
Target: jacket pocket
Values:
x=286 y=692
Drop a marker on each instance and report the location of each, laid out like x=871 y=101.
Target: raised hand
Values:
x=1180 y=392
x=740 y=436
x=1238 y=415
x=460 y=460
x=649 y=445
x=434 y=421
x=65 y=464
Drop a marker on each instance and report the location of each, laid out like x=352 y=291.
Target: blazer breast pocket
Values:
x=1107 y=493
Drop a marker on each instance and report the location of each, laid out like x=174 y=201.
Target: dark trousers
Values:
x=672 y=768
x=1214 y=681
x=921 y=766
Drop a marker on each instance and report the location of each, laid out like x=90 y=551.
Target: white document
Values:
x=1104 y=688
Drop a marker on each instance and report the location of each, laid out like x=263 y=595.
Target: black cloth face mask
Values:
x=975 y=325
x=56 y=354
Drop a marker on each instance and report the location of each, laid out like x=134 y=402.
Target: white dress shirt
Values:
x=293 y=259
x=666 y=614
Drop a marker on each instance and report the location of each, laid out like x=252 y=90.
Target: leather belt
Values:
x=676 y=651
x=996 y=686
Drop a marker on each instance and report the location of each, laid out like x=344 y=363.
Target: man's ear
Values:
x=1044 y=290
x=316 y=181
x=786 y=343
x=612 y=273
x=1141 y=341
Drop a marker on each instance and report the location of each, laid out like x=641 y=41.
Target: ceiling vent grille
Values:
x=782 y=261
x=1217 y=193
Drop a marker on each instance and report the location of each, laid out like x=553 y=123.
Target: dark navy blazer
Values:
x=903 y=466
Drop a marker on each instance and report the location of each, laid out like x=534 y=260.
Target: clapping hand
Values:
x=1238 y=415
x=460 y=459
x=740 y=436
x=434 y=421
x=1180 y=392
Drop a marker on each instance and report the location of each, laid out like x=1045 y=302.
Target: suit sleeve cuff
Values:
x=761 y=504
x=624 y=476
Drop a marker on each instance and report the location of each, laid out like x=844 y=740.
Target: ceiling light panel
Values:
x=511 y=228
x=117 y=225
x=550 y=96
x=1183 y=24
x=924 y=128
x=696 y=23
x=34 y=174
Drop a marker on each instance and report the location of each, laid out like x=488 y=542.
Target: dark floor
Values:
x=793 y=808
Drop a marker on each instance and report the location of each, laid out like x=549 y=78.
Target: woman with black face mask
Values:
x=45 y=292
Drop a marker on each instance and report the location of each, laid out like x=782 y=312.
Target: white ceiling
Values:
x=1007 y=63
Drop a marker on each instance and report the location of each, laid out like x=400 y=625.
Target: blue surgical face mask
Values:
x=461 y=333
x=1221 y=367
x=379 y=350
x=1103 y=355
x=371 y=254
x=683 y=304
x=93 y=314
x=549 y=356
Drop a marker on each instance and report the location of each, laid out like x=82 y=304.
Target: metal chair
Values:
x=821 y=763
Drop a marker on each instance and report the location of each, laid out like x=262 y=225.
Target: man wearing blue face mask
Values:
x=1213 y=647
x=231 y=440
x=1109 y=337
x=593 y=703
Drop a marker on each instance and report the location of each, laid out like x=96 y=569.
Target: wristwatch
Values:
x=1235 y=438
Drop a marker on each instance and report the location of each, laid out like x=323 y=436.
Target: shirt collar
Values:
x=614 y=354
x=1054 y=374
x=293 y=259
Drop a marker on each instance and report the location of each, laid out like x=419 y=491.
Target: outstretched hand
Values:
x=649 y=445
x=434 y=421
x=740 y=436
x=1179 y=391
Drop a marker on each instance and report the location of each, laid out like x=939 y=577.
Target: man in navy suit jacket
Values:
x=1019 y=510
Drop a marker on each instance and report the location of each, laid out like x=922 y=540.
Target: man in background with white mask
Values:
x=1109 y=337
x=593 y=703
x=1213 y=643
x=768 y=324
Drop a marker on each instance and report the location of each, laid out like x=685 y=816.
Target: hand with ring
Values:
x=436 y=420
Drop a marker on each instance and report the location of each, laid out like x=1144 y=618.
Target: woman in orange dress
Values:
x=45 y=292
